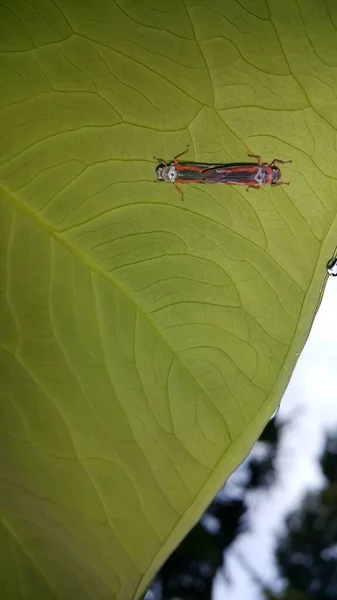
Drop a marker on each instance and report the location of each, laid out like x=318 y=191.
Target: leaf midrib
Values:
x=91 y=265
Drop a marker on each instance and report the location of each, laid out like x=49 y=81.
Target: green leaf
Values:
x=145 y=342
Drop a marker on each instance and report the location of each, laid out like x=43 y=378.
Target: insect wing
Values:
x=200 y=166
x=192 y=172
x=238 y=175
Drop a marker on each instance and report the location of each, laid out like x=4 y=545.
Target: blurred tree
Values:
x=262 y=468
x=190 y=570
x=307 y=552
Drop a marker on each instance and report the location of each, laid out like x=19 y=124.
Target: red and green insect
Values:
x=250 y=174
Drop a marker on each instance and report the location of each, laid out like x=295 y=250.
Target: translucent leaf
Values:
x=145 y=342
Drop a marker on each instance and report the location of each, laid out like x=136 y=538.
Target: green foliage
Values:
x=146 y=342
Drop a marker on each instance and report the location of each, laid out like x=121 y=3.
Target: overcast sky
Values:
x=311 y=402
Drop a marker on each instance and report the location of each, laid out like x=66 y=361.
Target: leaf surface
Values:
x=145 y=342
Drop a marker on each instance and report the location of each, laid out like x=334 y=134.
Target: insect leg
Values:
x=254 y=187
x=257 y=156
x=279 y=162
x=175 y=162
x=181 y=154
x=281 y=183
x=179 y=190
x=160 y=160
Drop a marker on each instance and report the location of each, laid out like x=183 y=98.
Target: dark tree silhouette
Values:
x=262 y=470
x=307 y=553
x=190 y=570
